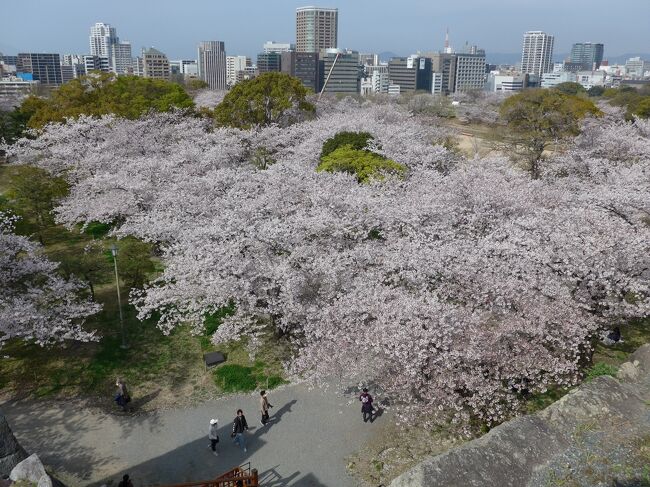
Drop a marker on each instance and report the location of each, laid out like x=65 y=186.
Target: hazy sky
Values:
x=400 y=26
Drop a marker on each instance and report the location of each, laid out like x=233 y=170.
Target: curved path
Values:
x=306 y=445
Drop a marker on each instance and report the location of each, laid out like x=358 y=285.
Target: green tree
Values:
x=134 y=262
x=643 y=108
x=357 y=140
x=537 y=119
x=570 y=88
x=196 y=84
x=365 y=165
x=102 y=93
x=266 y=99
x=596 y=91
x=13 y=124
x=34 y=194
x=92 y=265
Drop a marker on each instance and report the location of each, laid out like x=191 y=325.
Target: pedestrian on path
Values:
x=125 y=482
x=366 y=405
x=213 y=436
x=239 y=426
x=264 y=408
x=122 y=398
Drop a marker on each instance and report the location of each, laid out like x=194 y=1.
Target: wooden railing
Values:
x=241 y=476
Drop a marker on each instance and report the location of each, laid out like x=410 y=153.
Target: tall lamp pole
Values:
x=119 y=299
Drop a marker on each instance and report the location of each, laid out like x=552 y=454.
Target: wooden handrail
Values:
x=241 y=476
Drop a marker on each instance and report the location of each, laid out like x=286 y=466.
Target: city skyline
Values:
x=176 y=30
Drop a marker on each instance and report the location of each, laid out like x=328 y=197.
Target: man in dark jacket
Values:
x=239 y=425
x=366 y=405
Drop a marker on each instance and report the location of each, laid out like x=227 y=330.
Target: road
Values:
x=306 y=445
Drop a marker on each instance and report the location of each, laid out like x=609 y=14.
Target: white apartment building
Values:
x=212 y=64
x=377 y=79
x=436 y=83
x=636 y=67
x=537 y=53
x=104 y=43
x=121 y=58
x=234 y=65
x=272 y=46
x=589 y=79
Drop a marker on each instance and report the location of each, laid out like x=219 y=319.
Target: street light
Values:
x=119 y=300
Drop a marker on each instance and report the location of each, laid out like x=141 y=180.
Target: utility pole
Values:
x=119 y=299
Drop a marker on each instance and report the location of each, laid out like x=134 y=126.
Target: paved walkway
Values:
x=306 y=445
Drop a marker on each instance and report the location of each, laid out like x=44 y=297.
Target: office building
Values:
x=551 y=80
x=15 y=88
x=268 y=62
x=316 y=29
x=587 y=55
x=212 y=64
x=340 y=72
x=369 y=59
x=444 y=64
x=537 y=53
x=155 y=64
x=43 y=67
x=307 y=70
x=272 y=46
x=288 y=62
x=470 y=70
x=506 y=83
x=410 y=73
x=121 y=58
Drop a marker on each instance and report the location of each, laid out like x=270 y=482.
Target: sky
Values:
x=399 y=26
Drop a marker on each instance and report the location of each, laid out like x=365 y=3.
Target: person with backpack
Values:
x=239 y=426
x=213 y=436
x=366 y=405
x=125 y=482
x=264 y=408
x=122 y=398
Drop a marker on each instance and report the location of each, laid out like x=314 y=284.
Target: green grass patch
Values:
x=599 y=369
x=633 y=336
x=240 y=378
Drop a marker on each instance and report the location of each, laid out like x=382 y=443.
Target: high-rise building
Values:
x=212 y=64
x=341 y=72
x=588 y=55
x=537 y=53
x=105 y=43
x=155 y=63
x=268 y=62
x=316 y=29
x=43 y=67
x=377 y=78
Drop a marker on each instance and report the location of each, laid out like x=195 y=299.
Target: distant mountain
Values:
x=384 y=57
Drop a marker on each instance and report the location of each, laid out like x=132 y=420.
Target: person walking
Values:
x=239 y=426
x=264 y=408
x=366 y=405
x=213 y=436
x=122 y=398
x=125 y=482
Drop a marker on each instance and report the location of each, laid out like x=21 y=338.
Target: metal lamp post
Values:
x=119 y=299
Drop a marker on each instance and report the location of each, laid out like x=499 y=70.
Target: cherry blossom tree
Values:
x=36 y=303
x=457 y=289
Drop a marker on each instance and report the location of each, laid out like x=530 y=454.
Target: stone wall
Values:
x=11 y=453
x=598 y=434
